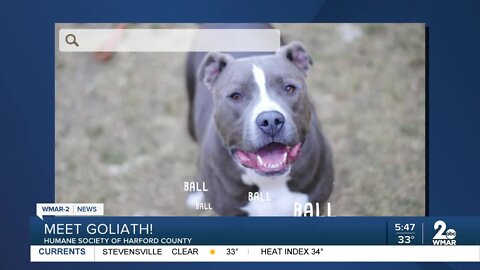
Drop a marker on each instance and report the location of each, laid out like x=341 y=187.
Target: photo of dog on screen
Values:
x=333 y=119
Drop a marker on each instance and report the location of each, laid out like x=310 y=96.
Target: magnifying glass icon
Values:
x=71 y=39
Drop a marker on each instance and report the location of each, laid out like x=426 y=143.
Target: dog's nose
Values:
x=270 y=122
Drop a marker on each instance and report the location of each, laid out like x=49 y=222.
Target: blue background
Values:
x=27 y=100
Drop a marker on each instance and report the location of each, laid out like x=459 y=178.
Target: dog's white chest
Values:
x=281 y=200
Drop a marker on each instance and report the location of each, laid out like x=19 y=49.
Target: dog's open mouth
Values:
x=273 y=158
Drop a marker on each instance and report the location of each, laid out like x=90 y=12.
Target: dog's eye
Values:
x=290 y=88
x=236 y=96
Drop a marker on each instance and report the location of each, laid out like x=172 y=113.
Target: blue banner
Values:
x=255 y=231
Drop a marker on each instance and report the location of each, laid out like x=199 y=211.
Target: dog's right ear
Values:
x=212 y=65
x=296 y=53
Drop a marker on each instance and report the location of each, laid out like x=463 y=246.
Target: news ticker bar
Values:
x=105 y=230
x=255 y=253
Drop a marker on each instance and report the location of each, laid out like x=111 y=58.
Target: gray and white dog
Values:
x=258 y=131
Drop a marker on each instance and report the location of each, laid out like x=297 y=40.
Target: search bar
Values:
x=168 y=40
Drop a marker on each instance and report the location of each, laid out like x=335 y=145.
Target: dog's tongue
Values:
x=272 y=154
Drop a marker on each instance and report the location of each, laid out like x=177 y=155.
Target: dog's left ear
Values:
x=297 y=54
x=211 y=67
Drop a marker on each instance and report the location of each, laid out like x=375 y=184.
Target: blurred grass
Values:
x=121 y=134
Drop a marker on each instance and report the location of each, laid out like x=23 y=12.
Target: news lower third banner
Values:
x=199 y=239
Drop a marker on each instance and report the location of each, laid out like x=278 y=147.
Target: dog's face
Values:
x=262 y=110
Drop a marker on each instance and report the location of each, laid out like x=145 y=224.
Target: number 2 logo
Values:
x=441 y=226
